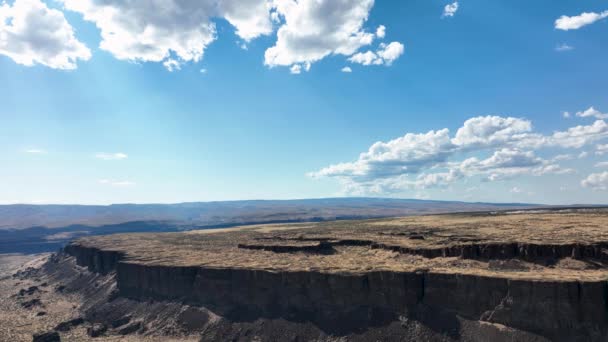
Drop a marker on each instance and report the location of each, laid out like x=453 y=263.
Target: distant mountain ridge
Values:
x=201 y=214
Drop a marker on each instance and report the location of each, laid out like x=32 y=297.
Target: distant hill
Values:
x=32 y=229
x=23 y=216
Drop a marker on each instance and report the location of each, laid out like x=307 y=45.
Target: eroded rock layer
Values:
x=540 y=273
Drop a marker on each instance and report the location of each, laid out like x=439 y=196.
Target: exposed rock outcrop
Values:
x=530 y=277
x=559 y=310
x=52 y=336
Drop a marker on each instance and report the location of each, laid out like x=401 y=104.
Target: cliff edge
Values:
x=501 y=276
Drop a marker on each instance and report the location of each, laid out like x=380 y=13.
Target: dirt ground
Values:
x=41 y=307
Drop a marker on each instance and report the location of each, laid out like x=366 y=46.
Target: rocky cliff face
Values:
x=339 y=302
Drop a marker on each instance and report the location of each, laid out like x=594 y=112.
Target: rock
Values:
x=97 y=330
x=130 y=328
x=121 y=321
x=31 y=303
x=68 y=325
x=343 y=302
x=51 y=336
x=29 y=291
x=41 y=313
x=60 y=288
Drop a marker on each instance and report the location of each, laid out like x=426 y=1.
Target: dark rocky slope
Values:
x=343 y=303
x=498 y=277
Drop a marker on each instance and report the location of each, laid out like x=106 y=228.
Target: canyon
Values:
x=500 y=276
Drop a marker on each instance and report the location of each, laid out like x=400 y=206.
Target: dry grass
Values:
x=219 y=248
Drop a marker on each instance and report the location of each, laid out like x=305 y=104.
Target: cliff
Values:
x=558 y=290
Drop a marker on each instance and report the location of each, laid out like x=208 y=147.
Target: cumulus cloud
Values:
x=312 y=30
x=601 y=149
x=566 y=23
x=366 y=58
x=297 y=68
x=483 y=131
x=31 y=33
x=172 y=65
x=174 y=32
x=436 y=158
x=579 y=136
x=346 y=69
x=596 y=181
x=251 y=18
x=381 y=31
x=510 y=158
x=508 y=163
x=385 y=55
x=405 y=155
x=169 y=31
x=592 y=112
x=111 y=156
x=566 y=115
x=450 y=9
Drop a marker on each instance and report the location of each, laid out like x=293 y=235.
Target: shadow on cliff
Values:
x=355 y=321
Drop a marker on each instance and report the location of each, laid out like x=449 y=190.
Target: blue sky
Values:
x=90 y=113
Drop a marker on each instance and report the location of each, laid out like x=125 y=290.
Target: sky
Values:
x=168 y=101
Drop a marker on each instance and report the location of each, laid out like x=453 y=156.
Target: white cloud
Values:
x=575 y=22
x=404 y=155
x=171 y=31
x=450 y=9
x=510 y=158
x=251 y=18
x=516 y=190
x=31 y=33
x=174 y=32
x=437 y=159
x=592 y=112
x=566 y=115
x=601 y=149
x=111 y=156
x=583 y=154
x=602 y=164
x=491 y=130
x=35 y=151
x=117 y=183
x=172 y=65
x=295 y=69
x=385 y=55
x=561 y=157
x=509 y=163
x=346 y=69
x=389 y=53
x=563 y=47
x=381 y=31
x=313 y=29
x=366 y=58
x=579 y=136
x=596 y=181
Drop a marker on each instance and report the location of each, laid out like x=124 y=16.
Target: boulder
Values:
x=51 y=336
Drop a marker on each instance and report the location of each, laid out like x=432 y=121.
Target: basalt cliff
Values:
x=519 y=276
